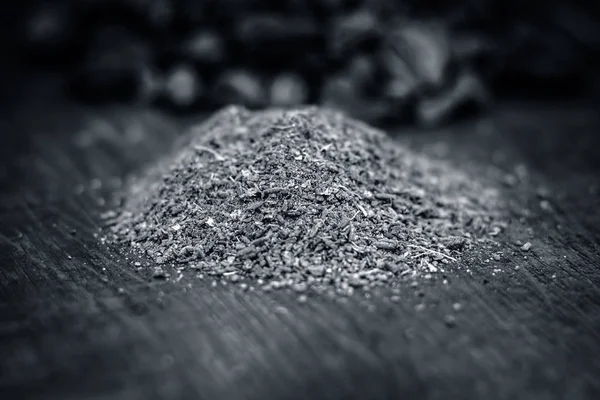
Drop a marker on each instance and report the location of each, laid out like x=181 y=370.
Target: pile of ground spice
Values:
x=303 y=199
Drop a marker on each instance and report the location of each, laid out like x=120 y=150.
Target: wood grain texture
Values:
x=77 y=321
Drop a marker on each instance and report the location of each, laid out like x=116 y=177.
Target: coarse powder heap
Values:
x=305 y=198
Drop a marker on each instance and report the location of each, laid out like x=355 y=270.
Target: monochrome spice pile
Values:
x=303 y=199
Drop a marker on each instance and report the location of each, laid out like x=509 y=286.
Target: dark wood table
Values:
x=78 y=321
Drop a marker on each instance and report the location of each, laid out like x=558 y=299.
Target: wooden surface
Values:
x=78 y=321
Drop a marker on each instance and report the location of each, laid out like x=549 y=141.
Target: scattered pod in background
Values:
x=352 y=33
x=396 y=55
x=240 y=87
x=206 y=48
x=182 y=86
x=466 y=95
x=288 y=90
x=423 y=49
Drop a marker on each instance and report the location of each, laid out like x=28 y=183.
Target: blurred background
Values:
x=417 y=62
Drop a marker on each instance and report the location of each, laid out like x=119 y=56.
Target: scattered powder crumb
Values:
x=526 y=246
x=303 y=199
